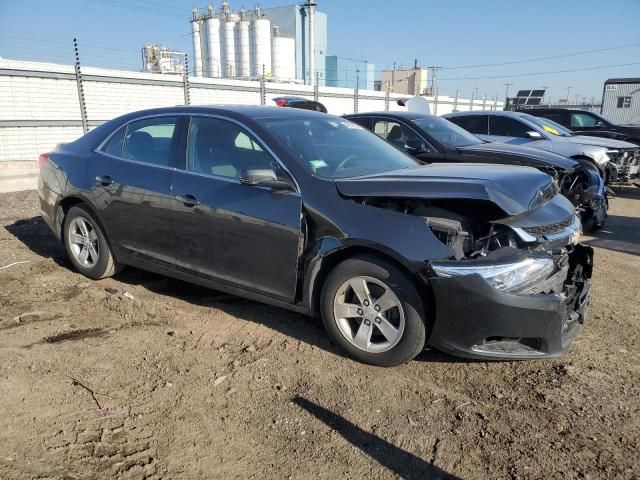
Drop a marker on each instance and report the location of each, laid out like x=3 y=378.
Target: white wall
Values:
x=39 y=104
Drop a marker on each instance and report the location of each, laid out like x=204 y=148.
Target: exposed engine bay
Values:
x=467 y=227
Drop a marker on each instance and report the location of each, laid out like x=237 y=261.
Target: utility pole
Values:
x=506 y=93
x=434 y=74
x=568 y=92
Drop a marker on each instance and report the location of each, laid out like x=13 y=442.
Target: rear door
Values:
x=132 y=174
x=237 y=234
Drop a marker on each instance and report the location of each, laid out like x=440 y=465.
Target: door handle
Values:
x=188 y=199
x=104 y=180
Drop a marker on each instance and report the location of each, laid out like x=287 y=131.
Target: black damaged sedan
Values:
x=313 y=213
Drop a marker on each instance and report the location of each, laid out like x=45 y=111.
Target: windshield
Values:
x=331 y=147
x=446 y=132
x=550 y=126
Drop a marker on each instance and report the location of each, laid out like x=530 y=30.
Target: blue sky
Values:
x=447 y=33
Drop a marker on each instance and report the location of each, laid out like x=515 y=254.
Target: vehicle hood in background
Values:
x=514 y=189
x=519 y=154
x=599 y=141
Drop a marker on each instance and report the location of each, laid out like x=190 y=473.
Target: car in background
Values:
x=300 y=102
x=434 y=139
x=313 y=213
x=518 y=128
x=583 y=122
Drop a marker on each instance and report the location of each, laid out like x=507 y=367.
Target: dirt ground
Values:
x=175 y=381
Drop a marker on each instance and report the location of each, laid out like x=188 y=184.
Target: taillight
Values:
x=282 y=102
x=42 y=159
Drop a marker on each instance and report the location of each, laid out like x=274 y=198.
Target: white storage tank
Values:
x=229 y=47
x=283 y=57
x=214 y=60
x=197 y=43
x=243 y=61
x=260 y=44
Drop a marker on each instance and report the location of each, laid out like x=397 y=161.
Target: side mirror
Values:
x=415 y=147
x=264 y=177
x=599 y=124
x=534 y=135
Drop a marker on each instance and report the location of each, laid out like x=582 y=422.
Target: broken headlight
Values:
x=514 y=277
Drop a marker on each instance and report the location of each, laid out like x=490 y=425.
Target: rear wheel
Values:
x=372 y=310
x=86 y=244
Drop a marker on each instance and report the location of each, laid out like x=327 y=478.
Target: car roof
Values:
x=504 y=113
x=398 y=115
x=246 y=111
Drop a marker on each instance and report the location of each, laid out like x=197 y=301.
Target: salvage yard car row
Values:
x=313 y=213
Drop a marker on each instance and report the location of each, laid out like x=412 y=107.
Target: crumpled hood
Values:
x=529 y=156
x=514 y=189
x=599 y=141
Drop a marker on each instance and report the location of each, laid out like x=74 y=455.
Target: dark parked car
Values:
x=583 y=122
x=312 y=213
x=519 y=128
x=300 y=102
x=433 y=139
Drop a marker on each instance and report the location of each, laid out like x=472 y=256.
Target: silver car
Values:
x=610 y=157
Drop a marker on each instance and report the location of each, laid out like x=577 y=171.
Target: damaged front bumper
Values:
x=476 y=320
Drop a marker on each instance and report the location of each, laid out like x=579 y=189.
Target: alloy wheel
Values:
x=83 y=242
x=369 y=314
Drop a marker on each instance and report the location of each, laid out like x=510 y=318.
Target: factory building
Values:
x=159 y=59
x=245 y=43
x=342 y=72
x=406 y=81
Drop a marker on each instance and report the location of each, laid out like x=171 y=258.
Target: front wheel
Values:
x=86 y=244
x=372 y=310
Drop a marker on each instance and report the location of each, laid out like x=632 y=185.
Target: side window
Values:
x=582 y=120
x=364 y=122
x=556 y=117
x=114 y=145
x=507 y=127
x=473 y=123
x=222 y=148
x=150 y=140
x=394 y=132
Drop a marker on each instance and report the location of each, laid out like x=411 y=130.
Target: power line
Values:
x=542 y=73
x=538 y=59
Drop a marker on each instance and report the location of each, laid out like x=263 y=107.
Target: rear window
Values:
x=150 y=140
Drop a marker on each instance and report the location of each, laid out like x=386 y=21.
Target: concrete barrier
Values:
x=18 y=175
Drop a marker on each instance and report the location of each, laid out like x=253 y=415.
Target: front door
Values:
x=241 y=235
x=132 y=188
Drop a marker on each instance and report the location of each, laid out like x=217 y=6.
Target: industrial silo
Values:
x=212 y=24
x=243 y=62
x=260 y=44
x=283 y=56
x=197 y=43
x=227 y=41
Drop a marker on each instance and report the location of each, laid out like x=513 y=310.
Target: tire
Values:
x=407 y=313
x=82 y=233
